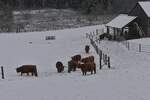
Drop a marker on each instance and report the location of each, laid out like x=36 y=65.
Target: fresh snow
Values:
x=120 y=21
x=146 y=7
x=128 y=79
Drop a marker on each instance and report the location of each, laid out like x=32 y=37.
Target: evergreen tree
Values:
x=6 y=17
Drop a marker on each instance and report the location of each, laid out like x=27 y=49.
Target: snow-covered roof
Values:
x=145 y=6
x=120 y=21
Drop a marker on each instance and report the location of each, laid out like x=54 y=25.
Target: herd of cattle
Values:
x=86 y=64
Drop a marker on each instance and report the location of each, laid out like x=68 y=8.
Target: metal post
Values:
x=109 y=62
x=106 y=59
x=100 y=60
x=2 y=70
x=140 y=47
x=128 y=46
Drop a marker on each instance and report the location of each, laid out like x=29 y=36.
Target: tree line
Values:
x=109 y=6
x=31 y=4
x=87 y=6
x=6 y=17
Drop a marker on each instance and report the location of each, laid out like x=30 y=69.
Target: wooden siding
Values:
x=142 y=18
x=148 y=25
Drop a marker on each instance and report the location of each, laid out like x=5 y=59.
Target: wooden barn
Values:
x=142 y=10
x=135 y=24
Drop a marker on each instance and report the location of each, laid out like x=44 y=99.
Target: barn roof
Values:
x=121 y=21
x=145 y=6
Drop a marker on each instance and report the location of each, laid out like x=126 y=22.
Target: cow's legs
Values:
x=95 y=71
x=69 y=69
x=85 y=73
x=74 y=68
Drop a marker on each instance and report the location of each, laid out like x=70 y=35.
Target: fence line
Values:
x=138 y=47
x=102 y=56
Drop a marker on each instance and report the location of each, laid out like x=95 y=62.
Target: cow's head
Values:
x=18 y=69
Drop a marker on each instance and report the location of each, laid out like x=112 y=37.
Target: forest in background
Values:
x=94 y=7
x=87 y=6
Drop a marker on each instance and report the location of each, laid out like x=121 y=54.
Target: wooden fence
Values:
x=104 y=59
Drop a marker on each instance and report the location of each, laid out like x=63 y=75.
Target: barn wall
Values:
x=149 y=26
x=142 y=18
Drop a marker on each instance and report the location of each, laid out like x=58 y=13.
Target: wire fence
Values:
x=136 y=47
x=104 y=59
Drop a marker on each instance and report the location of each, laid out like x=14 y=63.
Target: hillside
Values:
x=126 y=80
x=54 y=19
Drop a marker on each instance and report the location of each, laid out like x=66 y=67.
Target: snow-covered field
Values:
x=128 y=79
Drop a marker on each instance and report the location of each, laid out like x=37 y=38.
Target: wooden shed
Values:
x=135 y=24
x=142 y=10
x=121 y=26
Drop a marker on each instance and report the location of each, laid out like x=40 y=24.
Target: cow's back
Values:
x=76 y=57
x=28 y=68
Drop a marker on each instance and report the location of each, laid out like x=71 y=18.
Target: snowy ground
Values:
x=128 y=79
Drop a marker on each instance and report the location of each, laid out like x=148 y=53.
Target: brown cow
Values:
x=72 y=65
x=88 y=59
x=27 y=69
x=60 y=67
x=76 y=57
x=88 y=67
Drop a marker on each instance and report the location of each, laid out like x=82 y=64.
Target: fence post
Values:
x=106 y=59
x=128 y=46
x=96 y=39
x=103 y=56
x=96 y=31
x=100 y=60
x=86 y=35
x=93 y=33
x=96 y=49
x=108 y=62
x=91 y=41
x=140 y=47
x=99 y=40
x=2 y=70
